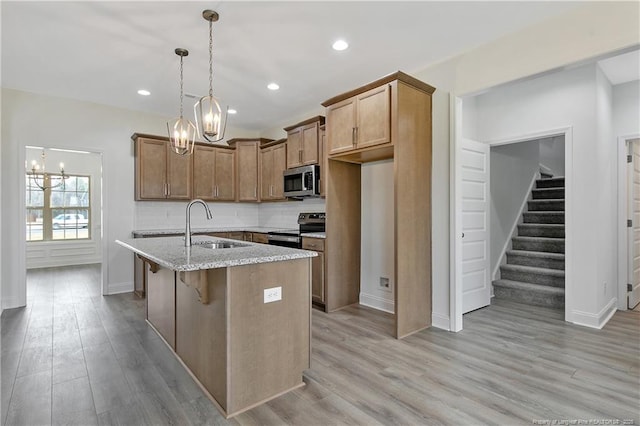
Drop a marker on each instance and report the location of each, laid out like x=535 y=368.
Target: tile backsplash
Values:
x=170 y=215
x=285 y=215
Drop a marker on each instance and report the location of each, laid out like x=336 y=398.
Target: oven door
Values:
x=285 y=240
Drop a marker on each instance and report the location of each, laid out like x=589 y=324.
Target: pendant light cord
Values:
x=211 y=58
x=181 y=84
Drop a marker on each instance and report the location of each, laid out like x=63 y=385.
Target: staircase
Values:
x=534 y=272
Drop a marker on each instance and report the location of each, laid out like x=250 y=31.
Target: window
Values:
x=60 y=213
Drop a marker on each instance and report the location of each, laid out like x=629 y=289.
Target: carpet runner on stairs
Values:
x=534 y=272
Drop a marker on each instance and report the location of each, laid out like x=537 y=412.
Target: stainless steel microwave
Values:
x=302 y=182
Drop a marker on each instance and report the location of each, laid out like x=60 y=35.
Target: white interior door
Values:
x=475 y=277
x=634 y=231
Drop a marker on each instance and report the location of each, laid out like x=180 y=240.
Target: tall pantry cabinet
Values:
x=387 y=119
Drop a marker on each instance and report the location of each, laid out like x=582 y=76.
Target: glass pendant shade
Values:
x=210 y=118
x=182 y=132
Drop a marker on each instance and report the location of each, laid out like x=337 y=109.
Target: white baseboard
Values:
x=598 y=320
x=377 y=302
x=117 y=288
x=440 y=321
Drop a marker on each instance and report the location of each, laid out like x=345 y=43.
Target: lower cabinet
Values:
x=318 y=288
x=161 y=301
x=261 y=238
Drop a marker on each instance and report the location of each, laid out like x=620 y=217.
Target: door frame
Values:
x=623 y=251
x=22 y=244
x=455 y=265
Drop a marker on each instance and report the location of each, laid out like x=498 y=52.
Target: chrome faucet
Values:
x=187 y=228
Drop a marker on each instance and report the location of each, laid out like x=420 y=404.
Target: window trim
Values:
x=47 y=213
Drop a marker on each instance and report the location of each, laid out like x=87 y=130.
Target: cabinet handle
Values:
x=271 y=190
x=300 y=156
x=168 y=189
x=255 y=192
x=164 y=190
x=353 y=135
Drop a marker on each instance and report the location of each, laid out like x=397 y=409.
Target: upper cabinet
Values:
x=214 y=171
x=273 y=163
x=302 y=142
x=160 y=173
x=359 y=122
x=247 y=167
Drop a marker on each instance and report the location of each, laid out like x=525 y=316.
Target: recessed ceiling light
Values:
x=144 y=92
x=273 y=86
x=231 y=111
x=340 y=45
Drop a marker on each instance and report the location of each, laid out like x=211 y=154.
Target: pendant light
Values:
x=182 y=132
x=44 y=180
x=210 y=119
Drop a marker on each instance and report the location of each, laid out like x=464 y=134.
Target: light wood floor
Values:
x=74 y=357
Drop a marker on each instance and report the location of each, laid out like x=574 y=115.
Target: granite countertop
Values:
x=171 y=253
x=176 y=231
x=314 y=234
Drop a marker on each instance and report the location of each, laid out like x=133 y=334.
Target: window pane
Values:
x=34 y=225
x=67 y=221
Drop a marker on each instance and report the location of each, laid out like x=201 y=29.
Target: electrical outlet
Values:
x=272 y=294
x=384 y=283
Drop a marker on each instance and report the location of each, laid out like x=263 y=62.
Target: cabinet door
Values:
x=373 y=119
x=340 y=127
x=294 y=148
x=260 y=238
x=317 y=278
x=247 y=171
x=236 y=235
x=161 y=302
x=266 y=174
x=179 y=175
x=151 y=169
x=279 y=166
x=224 y=175
x=310 y=144
x=204 y=159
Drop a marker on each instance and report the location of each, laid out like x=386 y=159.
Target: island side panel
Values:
x=201 y=333
x=161 y=302
x=269 y=343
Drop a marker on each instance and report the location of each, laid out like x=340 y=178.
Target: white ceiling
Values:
x=105 y=51
x=622 y=68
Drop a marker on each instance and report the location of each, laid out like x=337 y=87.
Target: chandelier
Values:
x=210 y=119
x=182 y=132
x=42 y=179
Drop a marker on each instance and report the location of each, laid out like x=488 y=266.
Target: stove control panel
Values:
x=311 y=218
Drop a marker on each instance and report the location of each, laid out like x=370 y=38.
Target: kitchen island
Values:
x=236 y=314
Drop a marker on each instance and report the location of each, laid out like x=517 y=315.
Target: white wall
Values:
x=579 y=99
x=626 y=109
x=552 y=154
x=378 y=235
x=606 y=180
x=42 y=254
x=513 y=167
x=71 y=124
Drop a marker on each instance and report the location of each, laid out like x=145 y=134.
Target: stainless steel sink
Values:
x=217 y=244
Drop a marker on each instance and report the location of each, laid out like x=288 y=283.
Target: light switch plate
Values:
x=272 y=294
